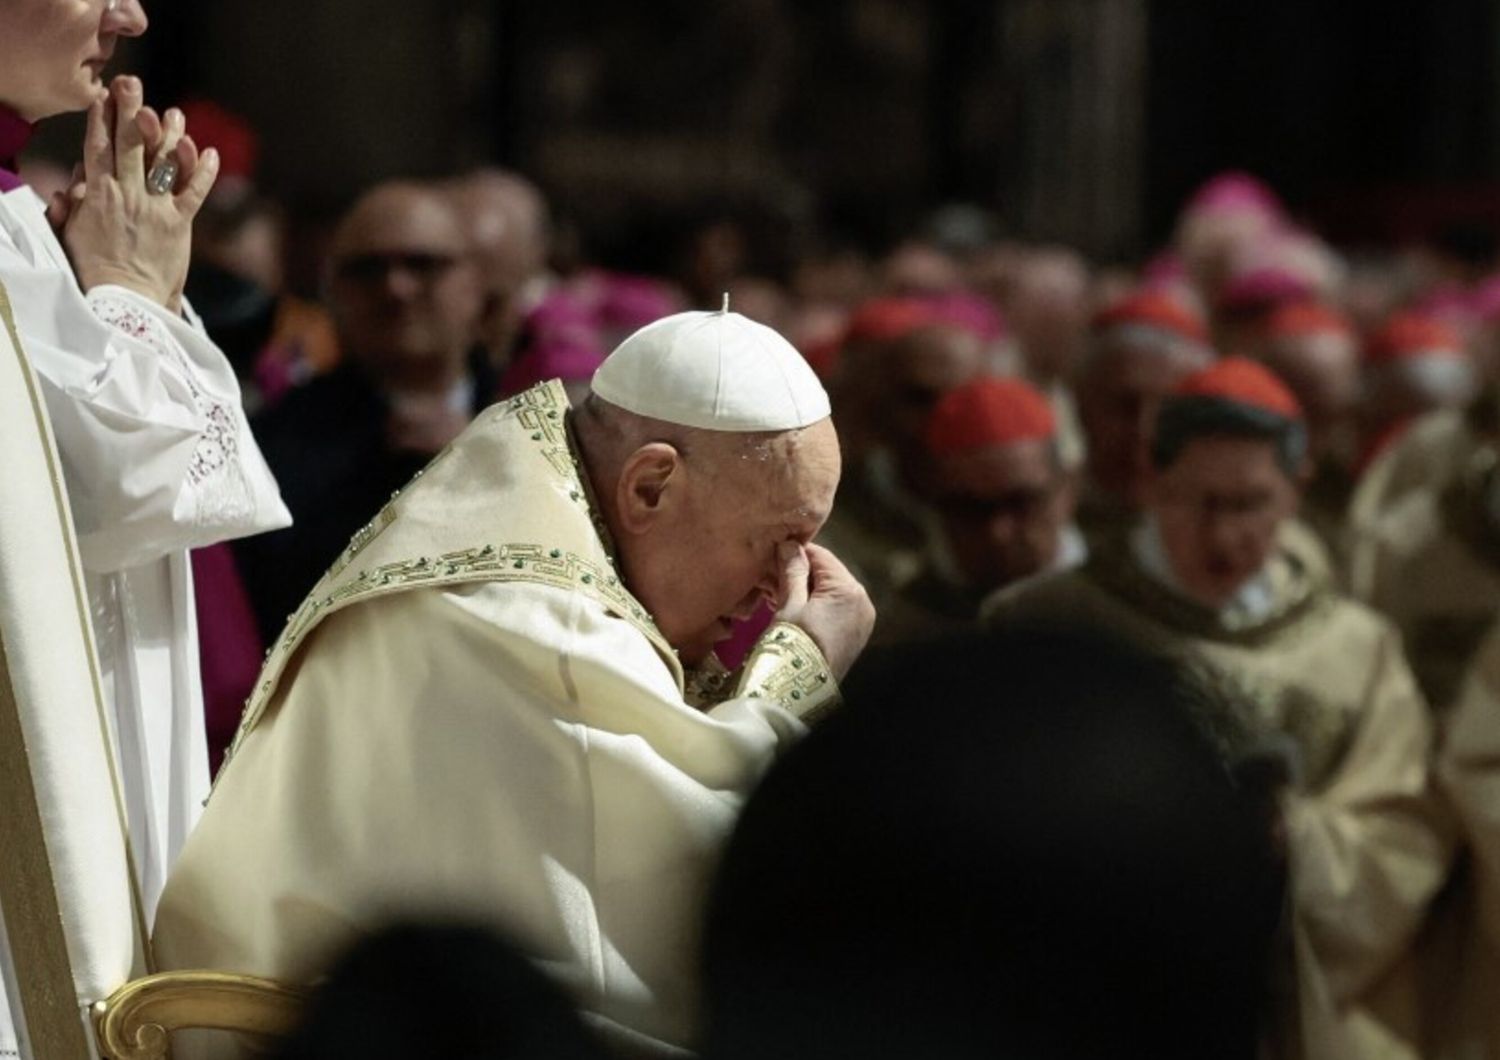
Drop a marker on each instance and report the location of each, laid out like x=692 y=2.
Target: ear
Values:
x=645 y=488
x=1067 y=495
x=1305 y=474
x=1292 y=502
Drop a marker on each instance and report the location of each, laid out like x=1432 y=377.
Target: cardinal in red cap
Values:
x=901 y=356
x=1314 y=350
x=1140 y=347
x=1306 y=692
x=1227 y=456
x=1154 y=310
x=1415 y=364
x=1249 y=298
x=1003 y=504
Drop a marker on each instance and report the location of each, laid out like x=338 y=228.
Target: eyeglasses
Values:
x=374 y=268
x=1245 y=507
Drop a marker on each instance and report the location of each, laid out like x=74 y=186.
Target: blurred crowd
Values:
x=1269 y=460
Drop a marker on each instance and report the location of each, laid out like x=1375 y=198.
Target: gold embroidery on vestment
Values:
x=787 y=667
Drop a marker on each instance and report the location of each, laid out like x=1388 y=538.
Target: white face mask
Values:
x=1446 y=377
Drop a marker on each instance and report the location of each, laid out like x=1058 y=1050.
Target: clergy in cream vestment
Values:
x=473 y=715
x=1299 y=675
x=1469 y=770
x=1431 y=562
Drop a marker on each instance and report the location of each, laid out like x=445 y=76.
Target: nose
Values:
x=1002 y=528
x=1222 y=535
x=769 y=587
x=124 y=18
x=401 y=283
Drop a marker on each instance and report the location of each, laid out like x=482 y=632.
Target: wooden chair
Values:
x=73 y=937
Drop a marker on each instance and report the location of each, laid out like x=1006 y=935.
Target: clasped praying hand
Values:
x=127 y=217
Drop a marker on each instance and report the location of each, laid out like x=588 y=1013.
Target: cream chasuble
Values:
x=1432 y=563
x=158 y=459
x=1426 y=459
x=472 y=716
x=1469 y=771
x=1365 y=855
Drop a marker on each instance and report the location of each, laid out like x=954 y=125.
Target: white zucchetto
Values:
x=716 y=371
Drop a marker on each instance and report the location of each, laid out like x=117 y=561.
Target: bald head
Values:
x=1048 y=311
x=505 y=216
x=698 y=515
x=914 y=373
x=399 y=215
x=402 y=288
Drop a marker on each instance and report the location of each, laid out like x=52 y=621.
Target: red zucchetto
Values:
x=1236 y=397
x=986 y=412
x=1153 y=309
x=1408 y=335
x=226 y=132
x=1297 y=320
x=1241 y=382
x=887 y=319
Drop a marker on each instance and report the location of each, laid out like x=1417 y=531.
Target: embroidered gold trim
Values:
x=541 y=415
x=709 y=684
x=788 y=667
x=362 y=538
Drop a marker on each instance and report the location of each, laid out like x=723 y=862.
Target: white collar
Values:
x=1251 y=604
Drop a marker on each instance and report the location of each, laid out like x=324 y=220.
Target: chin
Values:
x=90 y=89
x=79 y=98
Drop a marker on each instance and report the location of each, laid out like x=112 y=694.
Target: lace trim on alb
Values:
x=217 y=453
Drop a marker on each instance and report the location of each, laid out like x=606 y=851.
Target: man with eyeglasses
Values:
x=1002 y=507
x=899 y=359
x=1306 y=691
x=406 y=301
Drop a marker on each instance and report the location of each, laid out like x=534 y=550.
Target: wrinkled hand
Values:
x=819 y=594
x=114 y=229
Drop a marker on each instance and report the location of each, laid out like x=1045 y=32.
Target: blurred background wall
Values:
x=1079 y=120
